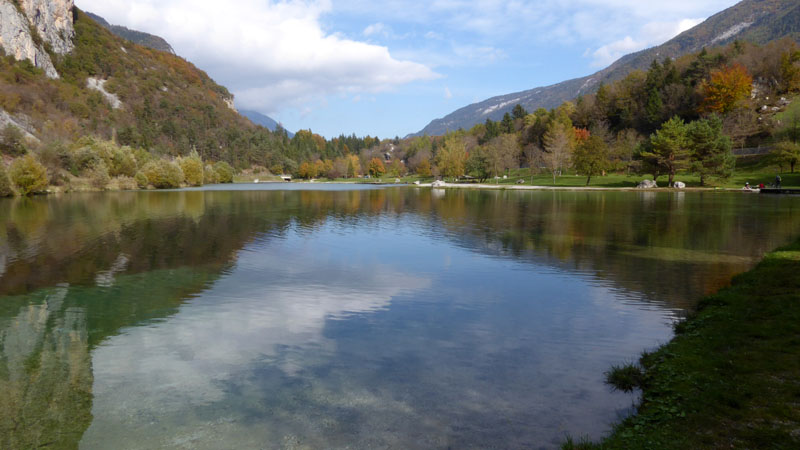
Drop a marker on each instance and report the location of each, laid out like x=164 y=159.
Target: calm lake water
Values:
x=348 y=317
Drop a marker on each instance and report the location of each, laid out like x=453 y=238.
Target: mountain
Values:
x=756 y=21
x=137 y=37
x=66 y=77
x=265 y=121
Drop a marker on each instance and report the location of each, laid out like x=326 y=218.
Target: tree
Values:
x=163 y=174
x=193 y=170
x=397 y=168
x=492 y=131
x=353 y=166
x=424 y=168
x=590 y=157
x=669 y=147
x=5 y=183
x=478 y=164
x=786 y=152
x=726 y=89
x=507 y=124
x=306 y=170
x=503 y=153
x=558 y=147
x=709 y=148
x=451 y=158
x=28 y=175
x=623 y=148
x=376 y=168
x=790 y=72
x=224 y=172
x=533 y=155
x=519 y=112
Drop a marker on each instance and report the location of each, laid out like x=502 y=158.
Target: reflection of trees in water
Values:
x=45 y=375
x=669 y=247
x=689 y=243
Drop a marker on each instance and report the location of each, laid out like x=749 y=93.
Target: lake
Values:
x=340 y=316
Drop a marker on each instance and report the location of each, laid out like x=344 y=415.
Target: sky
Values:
x=387 y=68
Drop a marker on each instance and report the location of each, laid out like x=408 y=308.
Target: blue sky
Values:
x=388 y=68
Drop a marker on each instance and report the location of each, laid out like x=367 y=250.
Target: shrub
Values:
x=122 y=162
x=98 y=176
x=209 y=175
x=5 y=183
x=28 y=175
x=192 y=167
x=224 y=172
x=12 y=141
x=84 y=159
x=141 y=180
x=163 y=174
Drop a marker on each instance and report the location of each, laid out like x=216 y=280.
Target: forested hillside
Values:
x=753 y=21
x=113 y=96
x=679 y=116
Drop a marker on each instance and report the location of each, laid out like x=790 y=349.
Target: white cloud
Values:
x=447 y=94
x=270 y=54
x=375 y=28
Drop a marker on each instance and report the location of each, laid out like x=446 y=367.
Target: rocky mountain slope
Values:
x=757 y=21
x=32 y=29
x=63 y=76
x=137 y=37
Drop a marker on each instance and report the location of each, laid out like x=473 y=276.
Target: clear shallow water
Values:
x=368 y=318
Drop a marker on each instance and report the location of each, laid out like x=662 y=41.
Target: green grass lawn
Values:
x=731 y=376
x=749 y=169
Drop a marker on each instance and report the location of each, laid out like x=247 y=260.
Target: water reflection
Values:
x=371 y=318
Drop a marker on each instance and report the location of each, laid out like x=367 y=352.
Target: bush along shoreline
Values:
x=730 y=378
x=91 y=164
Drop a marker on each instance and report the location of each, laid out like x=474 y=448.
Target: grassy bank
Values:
x=731 y=376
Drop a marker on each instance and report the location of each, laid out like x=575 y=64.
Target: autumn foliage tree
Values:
x=726 y=88
x=28 y=175
x=452 y=158
x=376 y=168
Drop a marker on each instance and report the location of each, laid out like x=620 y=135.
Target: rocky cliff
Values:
x=53 y=21
x=31 y=29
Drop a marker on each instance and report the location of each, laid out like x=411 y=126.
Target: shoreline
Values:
x=60 y=190
x=730 y=377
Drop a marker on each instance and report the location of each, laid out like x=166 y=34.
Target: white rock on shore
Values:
x=647 y=184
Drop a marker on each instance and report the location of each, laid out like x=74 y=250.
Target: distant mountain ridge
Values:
x=756 y=21
x=137 y=37
x=265 y=121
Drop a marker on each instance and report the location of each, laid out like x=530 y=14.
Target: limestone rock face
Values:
x=53 y=20
x=16 y=39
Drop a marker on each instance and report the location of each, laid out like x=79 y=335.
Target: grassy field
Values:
x=731 y=376
x=754 y=170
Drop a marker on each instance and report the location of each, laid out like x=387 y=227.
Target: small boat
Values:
x=255 y=181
